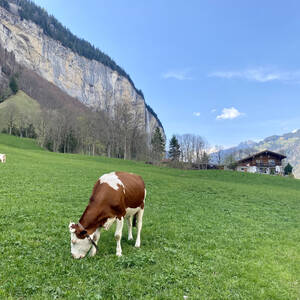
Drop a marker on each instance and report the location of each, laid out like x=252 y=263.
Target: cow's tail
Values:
x=134 y=220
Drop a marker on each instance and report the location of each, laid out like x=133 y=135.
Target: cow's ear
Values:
x=72 y=227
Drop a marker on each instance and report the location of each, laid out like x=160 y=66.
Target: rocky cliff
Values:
x=91 y=82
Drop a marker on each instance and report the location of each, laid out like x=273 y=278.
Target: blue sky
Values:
x=226 y=70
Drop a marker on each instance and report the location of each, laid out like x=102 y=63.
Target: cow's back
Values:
x=134 y=188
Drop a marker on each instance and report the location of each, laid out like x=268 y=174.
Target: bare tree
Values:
x=192 y=147
x=126 y=130
x=11 y=118
x=219 y=154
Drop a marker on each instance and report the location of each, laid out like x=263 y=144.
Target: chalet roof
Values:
x=266 y=152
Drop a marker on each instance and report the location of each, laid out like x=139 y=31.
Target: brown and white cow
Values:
x=3 y=158
x=115 y=196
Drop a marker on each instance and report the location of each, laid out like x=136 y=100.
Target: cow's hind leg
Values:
x=129 y=223
x=118 y=236
x=96 y=237
x=139 y=227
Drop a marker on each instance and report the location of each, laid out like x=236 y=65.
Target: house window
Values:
x=272 y=162
x=258 y=161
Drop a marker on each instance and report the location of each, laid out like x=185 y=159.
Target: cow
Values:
x=3 y=158
x=115 y=196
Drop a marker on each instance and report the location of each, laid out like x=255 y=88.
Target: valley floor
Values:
x=206 y=234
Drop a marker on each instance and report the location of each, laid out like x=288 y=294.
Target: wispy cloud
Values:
x=177 y=74
x=260 y=74
x=229 y=113
x=197 y=114
x=294 y=131
x=213 y=110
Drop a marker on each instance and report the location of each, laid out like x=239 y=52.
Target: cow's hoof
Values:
x=130 y=238
x=137 y=245
x=119 y=254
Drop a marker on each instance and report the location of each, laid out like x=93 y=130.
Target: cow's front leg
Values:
x=118 y=236
x=95 y=237
x=129 y=222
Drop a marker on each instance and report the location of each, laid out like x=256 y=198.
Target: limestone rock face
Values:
x=91 y=82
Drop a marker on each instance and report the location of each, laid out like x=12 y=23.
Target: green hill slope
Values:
x=19 y=108
x=206 y=234
x=10 y=142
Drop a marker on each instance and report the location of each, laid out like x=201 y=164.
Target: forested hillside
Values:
x=86 y=107
x=61 y=123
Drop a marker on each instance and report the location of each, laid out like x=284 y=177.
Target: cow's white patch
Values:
x=118 y=236
x=129 y=223
x=3 y=158
x=112 y=180
x=108 y=223
x=139 y=227
x=131 y=211
x=80 y=247
x=71 y=227
x=96 y=237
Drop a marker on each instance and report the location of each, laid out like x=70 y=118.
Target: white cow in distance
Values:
x=3 y=158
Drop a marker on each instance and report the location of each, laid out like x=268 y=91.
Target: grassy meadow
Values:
x=206 y=234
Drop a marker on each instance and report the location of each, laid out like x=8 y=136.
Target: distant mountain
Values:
x=239 y=151
x=287 y=144
x=246 y=145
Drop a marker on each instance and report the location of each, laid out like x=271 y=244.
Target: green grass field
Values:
x=206 y=234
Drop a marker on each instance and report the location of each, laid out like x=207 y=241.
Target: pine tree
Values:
x=4 y=4
x=13 y=85
x=174 y=149
x=158 y=145
x=288 y=169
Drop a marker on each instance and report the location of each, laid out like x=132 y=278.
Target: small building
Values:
x=265 y=162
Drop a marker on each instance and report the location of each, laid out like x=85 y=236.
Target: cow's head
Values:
x=80 y=245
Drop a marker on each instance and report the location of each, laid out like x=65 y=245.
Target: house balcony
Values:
x=267 y=165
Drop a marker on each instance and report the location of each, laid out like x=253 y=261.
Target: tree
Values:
x=219 y=154
x=158 y=145
x=204 y=159
x=288 y=169
x=11 y=118
x=13 y=85
x=230 y=162
x=191 y=147
x=174 y=149
x=4 y=4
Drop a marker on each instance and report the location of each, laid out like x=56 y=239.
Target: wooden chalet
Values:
x=266 y=162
